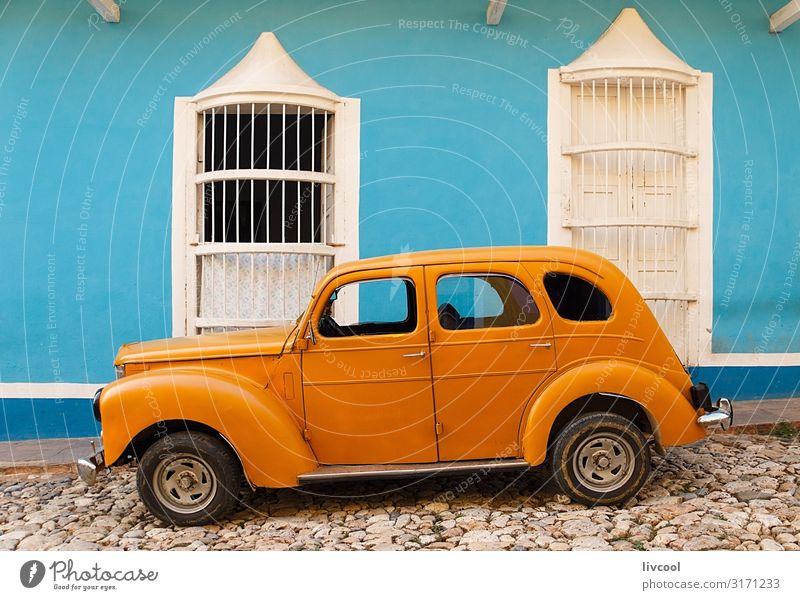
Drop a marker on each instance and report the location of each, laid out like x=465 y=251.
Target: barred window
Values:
x=265 y=184
x=266 y=179
x=266 y=137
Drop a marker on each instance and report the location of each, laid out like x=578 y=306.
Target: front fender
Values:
x=673 y=417
x=254 y=420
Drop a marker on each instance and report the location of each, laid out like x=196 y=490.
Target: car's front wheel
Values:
x=600 y=458
x=189 y=478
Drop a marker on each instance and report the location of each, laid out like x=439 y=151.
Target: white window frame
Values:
x=342 y=242
x=652 y=60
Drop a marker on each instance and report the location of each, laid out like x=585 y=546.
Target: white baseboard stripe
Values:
x=48 y=390
x=789 y=359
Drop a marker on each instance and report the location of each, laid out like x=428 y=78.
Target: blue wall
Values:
x=86 y=149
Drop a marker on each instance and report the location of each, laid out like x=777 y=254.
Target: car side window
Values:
x=576 y=299
x=483 y=301
x=371 y=307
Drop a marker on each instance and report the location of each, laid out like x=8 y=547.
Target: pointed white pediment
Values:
x=266 y=68
x=628 y=48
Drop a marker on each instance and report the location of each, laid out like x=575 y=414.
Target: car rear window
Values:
x=576 y=299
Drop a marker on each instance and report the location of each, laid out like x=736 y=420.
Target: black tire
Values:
x=199 y=463
x=600 y=458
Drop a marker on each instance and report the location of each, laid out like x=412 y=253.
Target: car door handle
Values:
x=543 y=345
x=419 y=354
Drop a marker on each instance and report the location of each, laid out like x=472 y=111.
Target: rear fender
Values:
x=672 y=416
x=255 y=421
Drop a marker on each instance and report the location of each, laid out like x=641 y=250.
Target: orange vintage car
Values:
x=422 y=363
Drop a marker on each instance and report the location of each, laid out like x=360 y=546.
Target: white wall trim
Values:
x=53 y=391
x=754 y=359
x=183 y=188
x=347 y=169
x=701 y=279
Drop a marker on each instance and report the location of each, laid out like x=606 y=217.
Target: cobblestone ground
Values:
x=730 y=492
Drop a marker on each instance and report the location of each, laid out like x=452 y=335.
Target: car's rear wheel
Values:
x=600 y=458
x=189 y=478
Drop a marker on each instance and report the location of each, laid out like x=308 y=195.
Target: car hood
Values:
x=251 y=342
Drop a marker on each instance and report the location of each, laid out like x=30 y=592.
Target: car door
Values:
x=491 y=347
x=366 y=374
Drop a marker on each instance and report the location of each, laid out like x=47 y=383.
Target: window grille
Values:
x=629 y=200
x=630 y=172
x=265 y=188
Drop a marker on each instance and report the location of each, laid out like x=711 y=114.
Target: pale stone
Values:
x=767 y=520
x=687 y=518
x=33 y=542
x=576 y=528
x=560 y=546
x=771 y=545
x=482 y=540
x=703 y=542
x=15 y=535
x=590 y=543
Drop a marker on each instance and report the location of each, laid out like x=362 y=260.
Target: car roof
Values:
x=558 y=254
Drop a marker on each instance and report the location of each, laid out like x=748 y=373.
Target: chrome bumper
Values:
x=88 y=467
x=722 y=415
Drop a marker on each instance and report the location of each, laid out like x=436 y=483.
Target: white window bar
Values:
x=224 y=212
x=619 y=154
x=313 y=142
x=283 y=139
x=594 y=157
x=582 y=140
x=269 y=139
x=325 y=144
x=297 y=131
x=324 y=216
x=299 y=202
x=253 y=166
x=213 y=168
x=203 y=153
x=224 y=285
x=665 y=197
x=238 y=202
x=313 y=221
x=269 y=287
x=297 y=166
x=224 y=138
x=224 y=167
x=202 y=224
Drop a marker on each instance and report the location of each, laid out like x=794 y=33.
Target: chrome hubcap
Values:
x=184 y=483
x=604 y=462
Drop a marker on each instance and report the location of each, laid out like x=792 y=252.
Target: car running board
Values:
x=343 y=472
